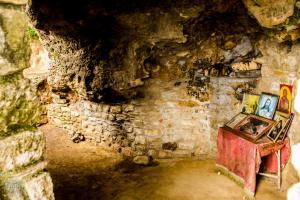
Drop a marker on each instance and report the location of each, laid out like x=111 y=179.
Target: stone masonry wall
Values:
x=100 y=123
x=167 y=122
x=22 y=169
x=225 y=102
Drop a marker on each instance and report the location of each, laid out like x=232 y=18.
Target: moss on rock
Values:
x=19 y=103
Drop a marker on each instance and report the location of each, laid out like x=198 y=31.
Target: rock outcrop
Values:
x=270 y=13
x=22 y=174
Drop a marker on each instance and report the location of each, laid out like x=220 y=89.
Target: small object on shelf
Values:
x=267 y=105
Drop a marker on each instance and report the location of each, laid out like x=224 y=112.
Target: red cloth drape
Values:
x=244 y=158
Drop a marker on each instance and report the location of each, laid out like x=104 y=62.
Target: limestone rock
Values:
x=16 y=2
x=297 y=4
x=229 y=45
x=136 y=83
x=128 y=108
x=12 y=189
x=270 y=13
x=127 y=151
x=116 y=109
x=40 y=187
x=241 y=49
x=77 y=137
x=21 y=150
x=30 y=183
x=141 y=160
x=2 y=40
x=19 y=103
x=14 y=26
x=39 y=63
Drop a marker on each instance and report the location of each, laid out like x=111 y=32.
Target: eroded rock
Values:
x=141 y=160
x=270 y=13
x=19 y=103
x=17 y=51
x=21 y=150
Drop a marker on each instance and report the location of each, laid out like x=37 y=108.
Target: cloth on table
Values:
x=244 y=158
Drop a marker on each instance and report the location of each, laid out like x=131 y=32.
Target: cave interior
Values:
x=131 y=89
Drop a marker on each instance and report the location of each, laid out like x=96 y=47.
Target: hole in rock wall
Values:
x=139 y=76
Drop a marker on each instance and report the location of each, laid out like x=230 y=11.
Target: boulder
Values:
x=270 y=13
x=141 y=160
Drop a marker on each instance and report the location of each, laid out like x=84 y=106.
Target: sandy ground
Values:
x=84 y=171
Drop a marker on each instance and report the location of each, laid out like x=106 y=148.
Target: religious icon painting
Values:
x=285 y=99
x=267 y=105
x=254 y=127
x=249 y=104
x=280 y=122
x=285 y=129
x=235 y=120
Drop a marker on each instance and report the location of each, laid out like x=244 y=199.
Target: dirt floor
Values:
x=84 y=171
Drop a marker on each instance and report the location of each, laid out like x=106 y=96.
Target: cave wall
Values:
x=22 y=169
x=176 y=67
x=159 y=78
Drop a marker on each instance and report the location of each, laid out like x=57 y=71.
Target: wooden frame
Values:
x=286 y=128
x=267 y=105
x=285 y=99
x=277 y=129
x=253 y=127
x=235 y=120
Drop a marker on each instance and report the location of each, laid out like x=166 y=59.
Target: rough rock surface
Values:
x=34 y=189
x=21 y=150
x=270 y=12
x=175 y=64
x=148 y=57
x=141 y=160
x=14 y=40
x=106 y=124
x=20 y=106
x=18 y=101
x=98 y=63
x=22 y=173
x=16 y=2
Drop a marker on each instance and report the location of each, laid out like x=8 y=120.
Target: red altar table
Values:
x=244 y=159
